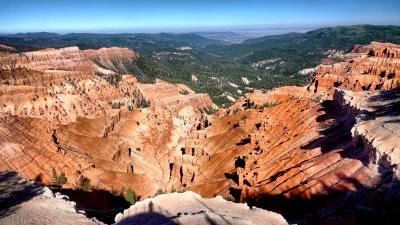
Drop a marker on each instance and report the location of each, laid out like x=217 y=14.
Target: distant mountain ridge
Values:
x=46 y=39
x=34 y=35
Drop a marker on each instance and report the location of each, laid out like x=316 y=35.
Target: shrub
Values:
x=116 y=105
x=138 y=149
x=268 y=104
x=210 y=110
x=59 y=180
x=143 y=103
x=159 y=192
x=173 y=190
x=86 y=185
x=129 y=195
x=316 y=99
x=201 y=111
x=183 y=92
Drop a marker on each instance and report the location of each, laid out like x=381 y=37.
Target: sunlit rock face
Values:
x=372 y=67
x=69 y=59
x=378 y=125
x=60 y=85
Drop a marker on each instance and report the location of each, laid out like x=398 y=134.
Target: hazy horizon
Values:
x=178 y=16
x=246 y=32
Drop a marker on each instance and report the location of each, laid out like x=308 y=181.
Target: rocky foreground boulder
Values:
x=191 y=208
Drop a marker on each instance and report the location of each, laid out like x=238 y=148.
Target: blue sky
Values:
x=154 y=15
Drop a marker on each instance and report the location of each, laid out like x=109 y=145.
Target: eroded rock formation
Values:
x=331 y=150
x=378 y=124
x=69 y=59
x=375 y=67
x=61 y=85
x=57 y=113
x=300 y=151
x=371 y=67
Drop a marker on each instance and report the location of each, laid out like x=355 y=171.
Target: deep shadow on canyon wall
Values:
x=100 y=204
x=377 y=204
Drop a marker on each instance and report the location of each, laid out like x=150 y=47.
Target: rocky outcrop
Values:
x=118 y=150
x=56 y=113
x=172 y=96
x=378 y=124
x=258 y=149
x=69 y=59
x=190 y=208
x=298 y=152
x=60 y=85
x=302 y=151
x=259 y=99
x=23 y=201
x=375 y=67
x=371 y=67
